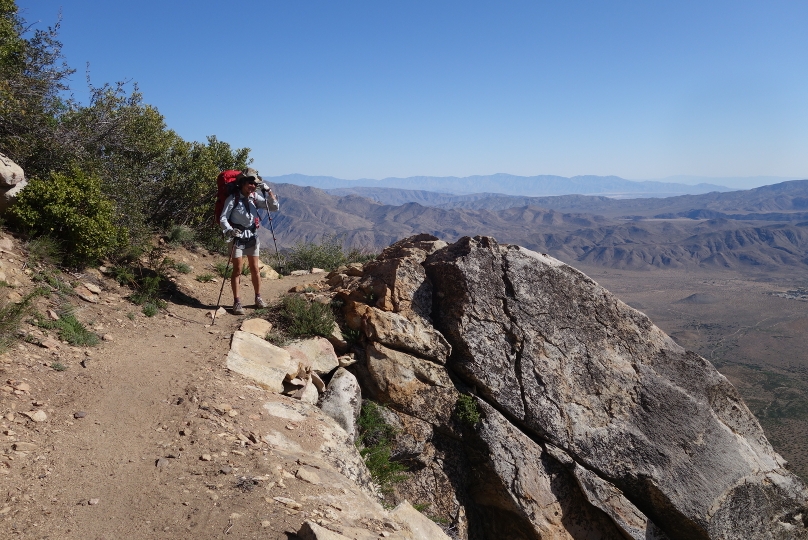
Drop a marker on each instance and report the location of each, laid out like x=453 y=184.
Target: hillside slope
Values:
x=309 y=214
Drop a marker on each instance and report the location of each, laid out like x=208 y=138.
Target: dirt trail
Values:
x=130 y=465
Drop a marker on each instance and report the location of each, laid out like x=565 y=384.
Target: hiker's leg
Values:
x=254 y=273
x=235 y=277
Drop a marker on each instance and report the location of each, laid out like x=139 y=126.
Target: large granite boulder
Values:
x=571 y=366
x=12 y=181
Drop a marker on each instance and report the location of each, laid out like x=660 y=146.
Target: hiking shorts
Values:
x=241 y=251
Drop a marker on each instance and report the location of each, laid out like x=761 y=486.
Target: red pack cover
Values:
x=225 y=185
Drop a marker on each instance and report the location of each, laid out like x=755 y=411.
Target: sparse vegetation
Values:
x=180 y=235
x=466 y=410
x=44 y=250
x=205 y=278
x=182 y=268
x=58 y=366
x=68 y=328
x=223 y=270
x=149 y=309
x=11 y=315
x=328 y=254
x=376 y=443
x=304 y=318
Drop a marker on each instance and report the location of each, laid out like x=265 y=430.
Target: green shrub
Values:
x=328 y=255
x=58 y=366
x=148 y=290
x=304 y=318
x=223 y=270
x=122 y=274
x=149 y=309
x=205 y=278
x=376 y=445
x=72 y=210
x=182 y=268
x=360 y=256
x=69 y=328
x=180 y=235
x=466 y=410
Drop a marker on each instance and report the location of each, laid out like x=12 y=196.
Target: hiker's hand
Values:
x=233 y=233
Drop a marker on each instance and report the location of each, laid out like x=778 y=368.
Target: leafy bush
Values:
x=149 y=309
x=304 y=318
x=71 y=209
x=376 y=445
x=69 y=328
x=58 y=366
x=466 y=410
x=182 y=268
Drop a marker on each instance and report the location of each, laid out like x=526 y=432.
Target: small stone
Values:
x=289 y=503
x=317 y=271
x=79 y=414
x=92 y=287
x=37 y=416
x=223 y=408
x=52 y=315
x=266 y=523
x=232 y=413
x=50 y=343
x=205 y=457
x=86 y=295
x=226 y=469
x=23 y=387
x=107 y=337
x=161 y=462
x=308 y=476
x=290 y=427
x=93 y=502
x=24 y=447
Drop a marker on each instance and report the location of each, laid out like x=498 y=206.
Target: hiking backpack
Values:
x=226 y=186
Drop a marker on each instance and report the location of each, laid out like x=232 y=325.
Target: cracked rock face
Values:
x=653 y=430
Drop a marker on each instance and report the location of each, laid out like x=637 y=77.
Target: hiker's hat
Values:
x=248 y=173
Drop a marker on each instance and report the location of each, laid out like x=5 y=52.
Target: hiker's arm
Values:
x=270 y=200
x=224 y=218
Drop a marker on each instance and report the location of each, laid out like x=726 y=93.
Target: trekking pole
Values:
x=224 y=280
x=272 y=229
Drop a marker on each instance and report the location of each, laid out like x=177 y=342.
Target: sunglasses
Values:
x=252 y=182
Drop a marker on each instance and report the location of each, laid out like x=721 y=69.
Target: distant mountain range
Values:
x=508 y=184
x=763 y=229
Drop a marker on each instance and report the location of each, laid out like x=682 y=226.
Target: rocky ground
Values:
x=148 y=435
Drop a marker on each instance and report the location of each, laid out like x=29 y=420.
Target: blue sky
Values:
x=391 y=88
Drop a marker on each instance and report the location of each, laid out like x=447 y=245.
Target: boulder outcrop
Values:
x=587 y=420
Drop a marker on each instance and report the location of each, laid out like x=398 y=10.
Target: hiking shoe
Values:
x=260 y=302
x=238 y=309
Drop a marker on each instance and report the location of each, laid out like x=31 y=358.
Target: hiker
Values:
x=238 y=220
